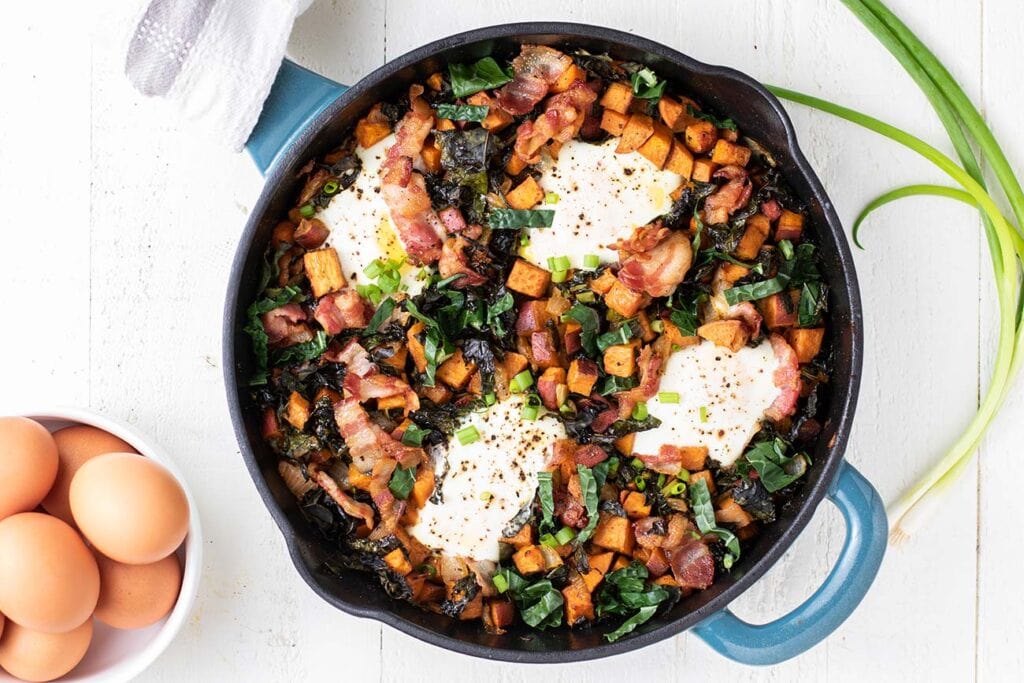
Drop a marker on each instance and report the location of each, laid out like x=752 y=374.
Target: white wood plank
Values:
x=1001 y=539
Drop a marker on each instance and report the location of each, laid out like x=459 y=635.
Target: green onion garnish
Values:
x=703 y=414
x=591 y=261
x=637 y=464
x=564 y=535
x=331 y=186
x=676 y=488
x=468 y=435
x=559 y=276
x=641 y=483
x=613 y=466
x=658 y=326
x=551 y=198
x=549 y=541
x=683 y=475
x=371 y=292
x=559 y=263
x=521 y=382
x=375 y=268
x=530 y=413
x=586 y=297
x=500 y=583
x=307 y=210
x=490 y=398
x=640 y=411
x=524 y=239
x=668 y=396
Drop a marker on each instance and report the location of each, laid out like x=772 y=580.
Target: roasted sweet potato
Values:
x=568 y=77
x=731 y=272
x=806 y=342
x=730 y=154
x=603 y=282
x=526 y=195
x=370 y=132
x=674 y=114
x=323 y=268
x=515 y=165
x=528 y=279
x=730 y=512
x=529 y=560
x=692 y=457
x=732 y=334
x=676 y=338
x=579 y=607
x=624 y=444
x=431 y=156
x=635 y=505
x=456 y=371
x=613 y=122
x=617 y=97
x=637 y=130
x=756 y=232
x=701 y=136
x=548 y=387
x=623 y=300
x=657 y=147
x=790 y=226
x=543 y=349
x=583 y=375
x=703 y=169
x=619 y=360
x=533 y=316
x=707 y=478
x=297 y=412
x=614 y=533
x=398 y=562
x=780 y=310
x=523 y=537
x=679 y=160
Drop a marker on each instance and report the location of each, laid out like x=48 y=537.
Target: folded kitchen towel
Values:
x=213 y=59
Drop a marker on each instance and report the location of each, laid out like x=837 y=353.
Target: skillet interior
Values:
x=724 y=90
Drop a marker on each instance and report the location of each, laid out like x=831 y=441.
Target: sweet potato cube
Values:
x=657 y=147
x=529 y=560
x=582 y=376
x=419 y=355
x=390 y=402
x=732 y=334
x=526 y=195
x=636 y=505
x=730 y=512
x=602 y=562
x=674 y=114
x=692 y=457
x=323 y=267
x=398 y=562
x=474 y=609
x=780 y=310
x=613 y=122
x=603 y=282
x=515 y=165
x=548 y=384
x=617 y=97
x=431 y=156
x=703 y=169
x=358 y=479
x=614 y=533
x=398 y=358
x=578 y=605
x=569 y=76
x=667 y=580
x=514 y=363
x=444 y=124
x=679 y=160
x=593 y=578
x=423 y=486
x=700 y=136
x=621 y=562
x=369 y=133
x=790 y=226
x=326 y=393
x=497 y=118
x=705 y=476
x=676 y=338
x=435 y=81
x=438 y=393
x=637 y=130
x=456 y=371
x=623 y=300
x=624 y=444
x=533 y=316
x=523 y=537
x=806 y=342
x=528 y=279
x=297 y=412
x=730 y=154
x=619 y=360
x=731 y=272
x=756 y=232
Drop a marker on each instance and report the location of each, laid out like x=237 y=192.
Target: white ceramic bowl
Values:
x=120 y=655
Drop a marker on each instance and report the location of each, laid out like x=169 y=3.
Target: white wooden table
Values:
x=119 y=223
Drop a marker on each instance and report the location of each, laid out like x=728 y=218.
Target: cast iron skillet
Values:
x=306 y=115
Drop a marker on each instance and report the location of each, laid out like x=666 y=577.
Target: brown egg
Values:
x=129 y=507
x=28 y=464
x=137 y=595
x=75 y=445
x=2 y=620
x=49 y=580
x=36 y=656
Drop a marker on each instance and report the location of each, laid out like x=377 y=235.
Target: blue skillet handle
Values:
x=831 y=604
x=295 y=99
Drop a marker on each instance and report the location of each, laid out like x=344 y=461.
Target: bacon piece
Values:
x=378 y=385
x=404 y=190
x=654 y=260
x=452 y=219
x=390 y=508
x=569 y=510
x=536 y=69
x=692 y=565
x=367 y=442
x=730 y=197
x=563 y=117
x=650 y=364
x=667 y=461
x=771 y=209
x=589 y=455
x=650 y=532
x=349 y=505
x=342 y=310
x=787 y=378
x=454 y=262
x=311 y=233
x=356 y=358
x=285 y=325
x=605 y=419
x=719 y=309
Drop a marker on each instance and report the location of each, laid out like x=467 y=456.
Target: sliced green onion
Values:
x=641 y=483
x=727 y=560
x=586 y=297
x=371 y=292
x=524 y=239
x=676 y=488
x=559 y=276
x=661 y=480
x=521 y=382
x=374 y=270
x=564 y=535
x=703 y=414
x=640 y=410
x=468 y=435
x=613 y=466
x=549 y=541
x=683 y=475
x=530 y=413
x=331 y=187
x=668 y=396
x=658 y=326
x=559 y=263
x=307 y=210
x=551 y=198
x=500 y=583
x=567 y=408
x=637 y=464
x=591 y=261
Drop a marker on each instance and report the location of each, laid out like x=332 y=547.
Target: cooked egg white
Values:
x=486 y=483
x=360 y=223
x=602 y=196
x=734 y=390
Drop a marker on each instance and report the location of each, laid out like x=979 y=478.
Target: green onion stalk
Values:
x=965 y=126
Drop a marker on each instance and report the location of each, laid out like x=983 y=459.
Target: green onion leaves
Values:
x=646 y=85
x=775 y=470
x=401 y=482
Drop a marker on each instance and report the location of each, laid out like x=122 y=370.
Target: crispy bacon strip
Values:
x=390 y=508
x=692 y=565
x=654 y=260
x=787 y=378
x=379 y=385
x=650 y=364
x=342 y=310
x=285 y=325
x=730 y=197
x=536 y=69
x=404 y=190
x=667 y=461
x=562 y=119
x=453 y=220
x=349 y=505
x=356 y=358
x=367 y=442
x=454 y=262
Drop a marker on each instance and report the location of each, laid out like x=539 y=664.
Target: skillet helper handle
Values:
x=295 y=99
x=833 y=602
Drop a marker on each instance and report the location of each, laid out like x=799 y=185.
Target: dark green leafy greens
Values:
x=775 y=469
x=539 y=603
x=437 y=347
x=589 y=322
x=625 y=592
x=794 y=272
x=704 y=514
x=547 y=500
x=401 y=482
x=463 y=112
x=591 y=481
x=305 y=351
x=512 y=219
x=382 y=313
x=646 y=85
x=727 y=124
x=482 y=75
x=272 y=298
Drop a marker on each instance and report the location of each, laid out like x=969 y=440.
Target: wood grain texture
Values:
x=121 y=223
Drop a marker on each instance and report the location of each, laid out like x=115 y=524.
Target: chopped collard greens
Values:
x=479 y=368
